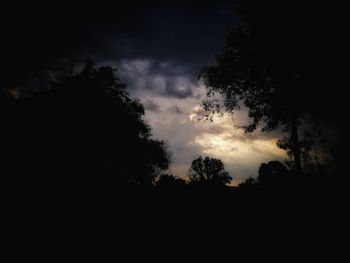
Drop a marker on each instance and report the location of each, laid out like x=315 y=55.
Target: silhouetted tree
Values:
x=117 y=141
x=83 y=128
x=270 y=172
x=268 y=65
x=249 y=183
x=305 y=146
x=169 y=181
x=208 y=170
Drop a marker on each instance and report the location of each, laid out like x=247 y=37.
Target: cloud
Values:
x=186 y=33
x=139 y=67
x=197 y=114
x=175 y=109
x=172 y=100
x=183 y=32
x=242 y=153
x=157 y=78
x=157 y=58
x=180 y=122
x=179 y=87
x=150 y=105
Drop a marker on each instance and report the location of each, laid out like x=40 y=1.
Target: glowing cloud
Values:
x=172 y=102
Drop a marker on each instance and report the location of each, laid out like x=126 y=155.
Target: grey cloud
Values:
x=178 y=91
x=151 y=105
x=175 y=109
x=158 y=77
x=99 y=34
x=166 y=37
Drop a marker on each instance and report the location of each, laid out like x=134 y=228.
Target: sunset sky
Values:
x=172 y=99
x=158 y=51
x=102 y=115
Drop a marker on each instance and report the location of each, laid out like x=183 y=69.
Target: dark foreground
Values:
x=254 y=220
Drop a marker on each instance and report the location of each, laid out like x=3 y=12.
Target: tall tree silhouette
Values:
x=269 y=64
x=117 y=141
x=83 y=128
x=209 y=170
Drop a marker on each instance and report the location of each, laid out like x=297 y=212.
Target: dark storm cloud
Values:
x=185 y=33
x=38 y=37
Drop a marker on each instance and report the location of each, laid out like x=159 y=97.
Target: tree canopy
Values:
x=114 y=132
x=271 y=171
x=208 y=170
x=268 y=65
x=85 y=126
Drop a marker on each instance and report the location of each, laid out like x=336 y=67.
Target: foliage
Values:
x=271 y=172
x=267 y=65
x=114 y=132
x=208 y=170
x=169 y=181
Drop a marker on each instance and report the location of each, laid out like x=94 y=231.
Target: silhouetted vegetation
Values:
x=270 y=172
x=169 y=182
x=270 y=65
x=208 y=171
x=82 y=148
x=79 y=162
x=83 y=138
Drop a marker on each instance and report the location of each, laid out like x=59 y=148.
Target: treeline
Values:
x=83 y=142
x=79 y=161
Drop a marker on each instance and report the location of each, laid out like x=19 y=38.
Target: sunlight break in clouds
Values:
x=242 y=153
x=172 y=99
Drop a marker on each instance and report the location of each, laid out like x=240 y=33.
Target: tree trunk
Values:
x=295 y=144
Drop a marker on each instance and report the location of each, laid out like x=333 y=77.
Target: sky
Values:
x=172 y=99
x=158 y=48
x=158 y=55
